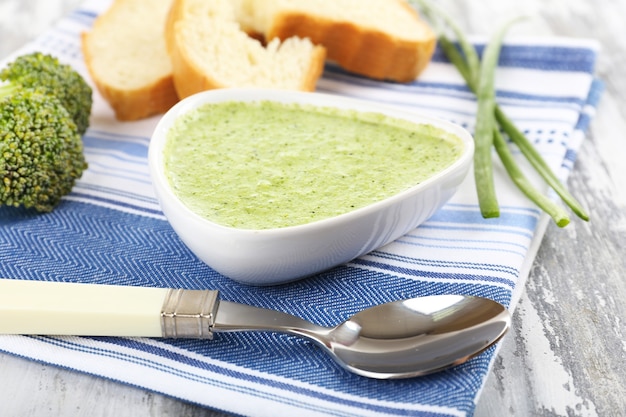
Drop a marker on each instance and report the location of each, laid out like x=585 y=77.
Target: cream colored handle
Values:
x=53 y=308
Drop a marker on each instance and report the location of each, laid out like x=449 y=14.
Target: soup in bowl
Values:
x=271 y=186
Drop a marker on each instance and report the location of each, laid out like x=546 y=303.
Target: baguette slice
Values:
x=381 y=39
x=210 y=48
x=127 y=59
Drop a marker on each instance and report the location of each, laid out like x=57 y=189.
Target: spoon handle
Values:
x=231 y=317
x=55 y=308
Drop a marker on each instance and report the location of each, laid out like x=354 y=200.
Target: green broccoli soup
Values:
x=262 y=165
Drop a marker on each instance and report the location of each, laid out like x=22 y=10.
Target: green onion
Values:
x=516 y=136
x=555 y=211
x=486 y=125
x=455 y=57
x=539 y=163
x=466 y=65
x=471 y=59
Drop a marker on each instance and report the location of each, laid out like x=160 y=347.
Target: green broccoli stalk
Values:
x=41 y=150
x=45 y=73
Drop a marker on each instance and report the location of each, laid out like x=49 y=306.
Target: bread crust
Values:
x=190 y=76
x=316 y=68
x=128 y=105
x=153 y=97
x=361 y=50
x=174 y=14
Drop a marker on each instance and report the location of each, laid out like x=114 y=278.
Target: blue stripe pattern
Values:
x=539 y=57
x=110 y=230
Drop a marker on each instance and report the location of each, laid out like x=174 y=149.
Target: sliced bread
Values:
x=382 y=39
x=209 y=48
x=127 y=59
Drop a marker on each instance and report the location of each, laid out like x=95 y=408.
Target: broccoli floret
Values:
x=41 y=150
x=45 y=73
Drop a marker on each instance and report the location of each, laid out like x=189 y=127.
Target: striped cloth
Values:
x=110 y=230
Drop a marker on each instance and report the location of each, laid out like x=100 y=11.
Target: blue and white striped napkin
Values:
x=110 y=230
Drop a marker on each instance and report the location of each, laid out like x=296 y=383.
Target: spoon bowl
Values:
x=419 y=336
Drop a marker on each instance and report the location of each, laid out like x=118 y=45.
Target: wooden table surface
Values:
x=566 y=353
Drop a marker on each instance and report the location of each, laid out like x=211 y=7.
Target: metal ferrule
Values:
x=189 y=313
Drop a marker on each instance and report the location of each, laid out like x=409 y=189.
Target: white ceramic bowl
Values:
x=273 y=256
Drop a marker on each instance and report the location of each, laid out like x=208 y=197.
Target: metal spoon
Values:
x=400 y=339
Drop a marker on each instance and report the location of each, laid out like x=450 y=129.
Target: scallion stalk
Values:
x=558 y=214
x=486 y=124
x=465 y=63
